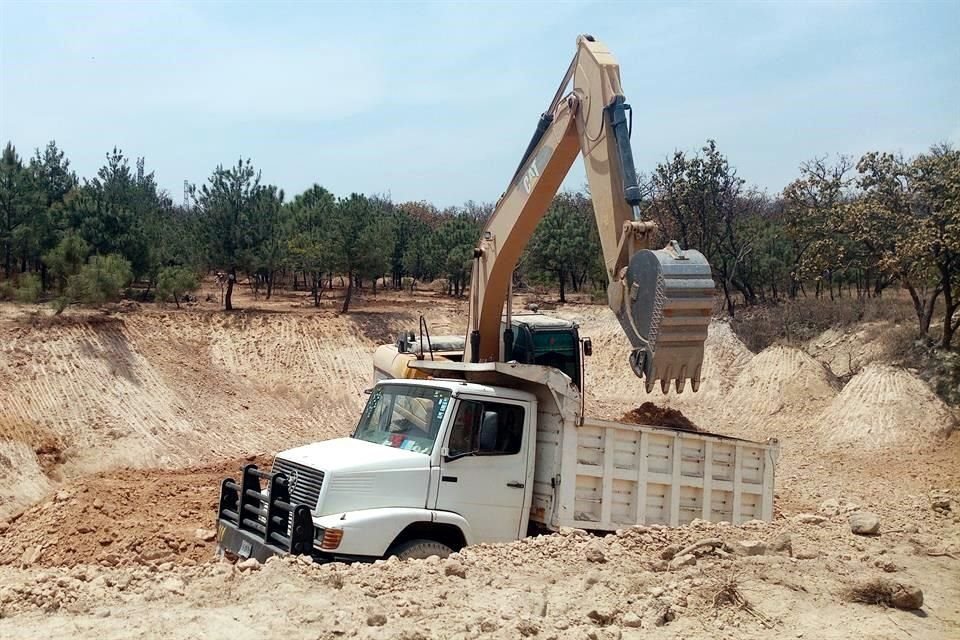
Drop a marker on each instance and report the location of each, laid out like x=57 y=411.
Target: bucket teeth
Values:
x=680 y=383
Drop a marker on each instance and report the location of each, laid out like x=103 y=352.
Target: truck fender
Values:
x=371 y=532
x=457 y=520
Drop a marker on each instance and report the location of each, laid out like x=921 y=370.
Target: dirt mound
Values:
x=650 y=414
x=30 y=460
x=885 y=406
x=126 y=517
x=845 y=352
x=782 y=384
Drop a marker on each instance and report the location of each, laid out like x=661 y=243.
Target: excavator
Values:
x=661 y=297
x=492 y=442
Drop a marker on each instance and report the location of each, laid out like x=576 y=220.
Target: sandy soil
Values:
x=116 y=428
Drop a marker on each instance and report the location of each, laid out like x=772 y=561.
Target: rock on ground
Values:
x=907 y=597
x=864 y=523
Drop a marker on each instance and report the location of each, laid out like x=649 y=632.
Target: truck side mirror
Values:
x=587 y=347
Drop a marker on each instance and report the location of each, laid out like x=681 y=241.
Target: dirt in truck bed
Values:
x=656 y=416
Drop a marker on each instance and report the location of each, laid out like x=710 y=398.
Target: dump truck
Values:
x=484 y=437
x=485 y=452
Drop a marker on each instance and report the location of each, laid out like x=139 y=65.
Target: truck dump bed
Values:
x=606 y=475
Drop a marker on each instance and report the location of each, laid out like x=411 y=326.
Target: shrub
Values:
x=28 y=288
x=173 y=282
x=6 y=290
x=66 y=259
x=98 y=281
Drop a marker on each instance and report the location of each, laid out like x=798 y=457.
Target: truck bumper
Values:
x=252 y=523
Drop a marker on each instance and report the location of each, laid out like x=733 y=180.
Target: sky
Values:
x=436 y=101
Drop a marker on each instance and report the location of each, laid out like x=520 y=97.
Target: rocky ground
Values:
x=790 y=578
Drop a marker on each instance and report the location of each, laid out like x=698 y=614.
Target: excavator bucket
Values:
x=666 y=313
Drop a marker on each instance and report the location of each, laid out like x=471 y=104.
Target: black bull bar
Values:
x=249 y=529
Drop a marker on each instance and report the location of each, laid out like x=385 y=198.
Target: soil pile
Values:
x=780 y=384
x=121 y=518
x=155 y=389
x=884 y=406
x=650 y=414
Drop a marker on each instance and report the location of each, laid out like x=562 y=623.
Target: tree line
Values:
x=842 y=228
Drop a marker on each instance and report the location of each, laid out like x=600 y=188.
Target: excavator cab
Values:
x=546 y=341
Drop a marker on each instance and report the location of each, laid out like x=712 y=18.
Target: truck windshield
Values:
x=403 y=416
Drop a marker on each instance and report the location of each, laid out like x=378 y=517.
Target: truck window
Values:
x=486 y=428
x=403 y=417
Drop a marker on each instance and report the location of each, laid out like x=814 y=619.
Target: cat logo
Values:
x=293 y=479
x=221 y=531
x=539 y=161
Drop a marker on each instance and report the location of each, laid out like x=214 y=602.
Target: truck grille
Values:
x=305 y=482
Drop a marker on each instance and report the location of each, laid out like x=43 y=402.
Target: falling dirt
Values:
x=650 y=414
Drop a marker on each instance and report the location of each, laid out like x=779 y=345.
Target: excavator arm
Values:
x=662 y=298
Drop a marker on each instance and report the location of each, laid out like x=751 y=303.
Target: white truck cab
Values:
x=443 y=461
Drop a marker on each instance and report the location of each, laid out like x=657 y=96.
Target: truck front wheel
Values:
x=419 y=549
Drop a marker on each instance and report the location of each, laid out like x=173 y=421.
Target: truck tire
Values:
x=420 y=549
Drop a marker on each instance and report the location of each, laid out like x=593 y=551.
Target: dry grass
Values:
x=793 y=322
x=728 y=594
x=875 y=591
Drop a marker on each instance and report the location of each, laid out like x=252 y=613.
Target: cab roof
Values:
x=541 y=321
x=460 y=387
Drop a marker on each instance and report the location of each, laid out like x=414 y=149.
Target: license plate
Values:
x=245 y=549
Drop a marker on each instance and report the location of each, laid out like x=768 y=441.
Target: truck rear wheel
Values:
x=420 y=549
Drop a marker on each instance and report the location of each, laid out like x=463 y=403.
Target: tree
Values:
x=51 y=179
x=700 y=201
x=227 y=203
x=174 y=282
x=66 y=259
x=13 y=203
x=909 y=214
x=451 y=251
x=565 y=244
x=814 y=225
x=112 y=210
x=935 y=236
x=363 y=250
x=313 y=241
x=267 y=244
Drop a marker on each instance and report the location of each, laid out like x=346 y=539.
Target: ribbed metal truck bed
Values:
x=605 y=475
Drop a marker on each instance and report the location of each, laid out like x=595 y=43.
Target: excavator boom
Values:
x=662 y=298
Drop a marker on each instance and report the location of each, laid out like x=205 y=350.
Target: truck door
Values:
x=483 y=474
